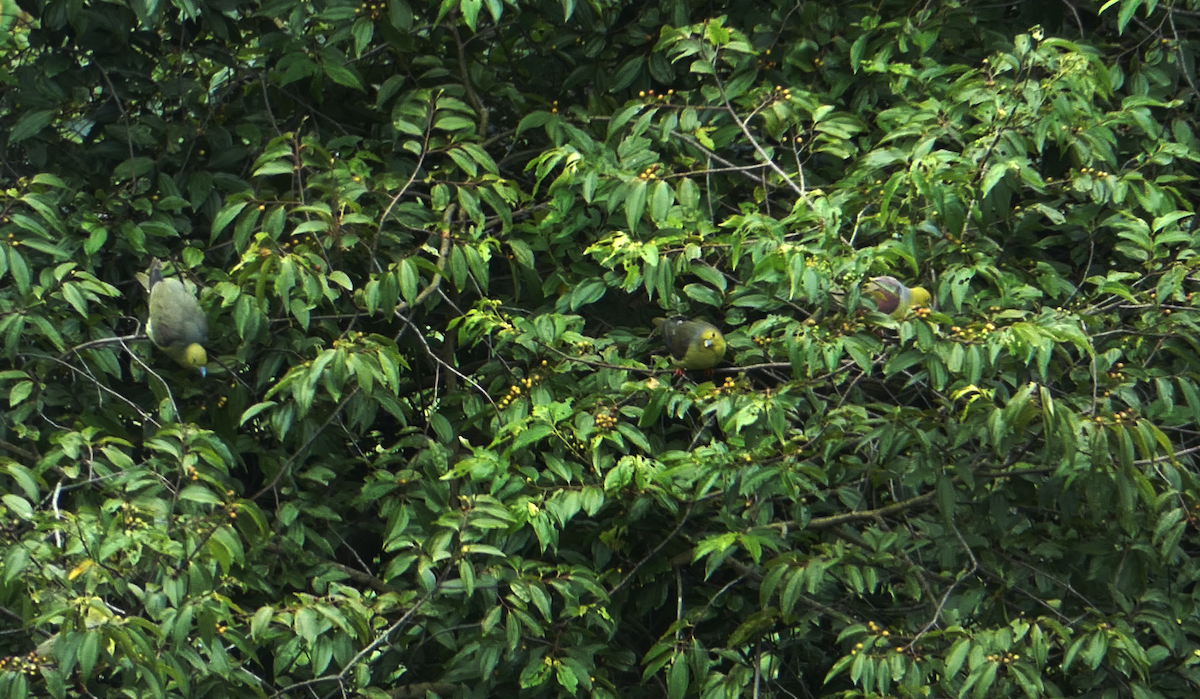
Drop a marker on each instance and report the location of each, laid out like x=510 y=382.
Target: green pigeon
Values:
x=693 y=344
x=177 y=326
x=893 y=298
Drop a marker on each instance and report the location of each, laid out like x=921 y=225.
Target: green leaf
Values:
x=30 y=124
x=19 y=505
x=19 y=392
x=857 y=49
x=635 y=204
x=340 y=73
x=199 y=493
x=18 y=269
x=956 y=656
x=401 y=15
x=407 y=275
x=661 y=200
x=362 y=31
x=16 y=559
x=678 y=678
x=531 y=435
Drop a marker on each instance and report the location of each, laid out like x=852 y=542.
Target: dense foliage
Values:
x=439 y=450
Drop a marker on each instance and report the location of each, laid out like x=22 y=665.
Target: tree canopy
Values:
x=440 y=449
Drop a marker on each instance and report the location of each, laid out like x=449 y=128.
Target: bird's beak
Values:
x=204 y=371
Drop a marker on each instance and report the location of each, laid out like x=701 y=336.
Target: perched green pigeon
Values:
x=893 y=298
x=177 y=326
x=694 y=344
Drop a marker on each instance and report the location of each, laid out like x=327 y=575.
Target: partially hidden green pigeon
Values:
x=693 y=344
x=177 y=326
x=893 y=298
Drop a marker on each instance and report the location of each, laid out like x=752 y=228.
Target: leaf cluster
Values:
x=440 y=450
